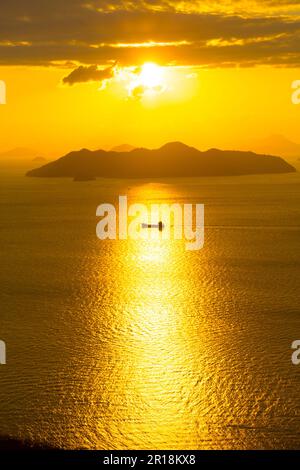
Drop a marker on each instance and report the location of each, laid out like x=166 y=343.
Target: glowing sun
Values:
x=151 y=75
x=148 y=81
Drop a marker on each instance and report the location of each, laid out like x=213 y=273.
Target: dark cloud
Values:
x=140 y=90
x=44 y=32
x=89 y=74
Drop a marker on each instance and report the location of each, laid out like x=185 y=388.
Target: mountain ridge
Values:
x=174 y=159
x=122 y=148
x=277 y=143
x=18 y=152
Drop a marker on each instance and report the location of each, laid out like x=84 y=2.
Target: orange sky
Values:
x=225 y=75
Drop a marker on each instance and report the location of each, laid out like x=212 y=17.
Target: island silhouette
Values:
x=171 y=160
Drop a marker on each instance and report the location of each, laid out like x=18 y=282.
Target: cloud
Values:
x=245 y=32
x=89 y=74
x=140 y=91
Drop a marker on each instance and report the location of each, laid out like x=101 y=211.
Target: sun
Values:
x=147 y=81
x=151 y=76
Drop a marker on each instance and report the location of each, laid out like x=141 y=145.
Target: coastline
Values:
x=8 y=443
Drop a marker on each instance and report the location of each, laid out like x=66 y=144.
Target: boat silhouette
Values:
x=160 y=226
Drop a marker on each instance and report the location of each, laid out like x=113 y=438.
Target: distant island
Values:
x=123 y=148
x=172 y=160
x=39 y=160
x=21 y=158
x=18 y=152
x=14 y=444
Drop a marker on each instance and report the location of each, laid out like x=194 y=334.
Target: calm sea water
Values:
x=130 y=344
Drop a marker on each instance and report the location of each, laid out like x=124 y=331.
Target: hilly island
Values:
x=171 y=160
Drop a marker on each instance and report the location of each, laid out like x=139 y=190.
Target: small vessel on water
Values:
x=160 y=226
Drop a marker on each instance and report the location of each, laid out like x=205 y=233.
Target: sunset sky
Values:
x=99 y=73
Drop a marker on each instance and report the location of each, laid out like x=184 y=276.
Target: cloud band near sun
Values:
x=206 y=33
x=147 y=80
x=91 y=73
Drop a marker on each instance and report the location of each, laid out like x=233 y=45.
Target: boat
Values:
x=160 y=226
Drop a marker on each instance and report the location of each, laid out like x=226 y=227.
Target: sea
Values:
x=141 y=344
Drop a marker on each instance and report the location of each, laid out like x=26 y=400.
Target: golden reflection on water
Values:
x=158 y=358
x=174 y=353
x=141 y=344
x=154 y=371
